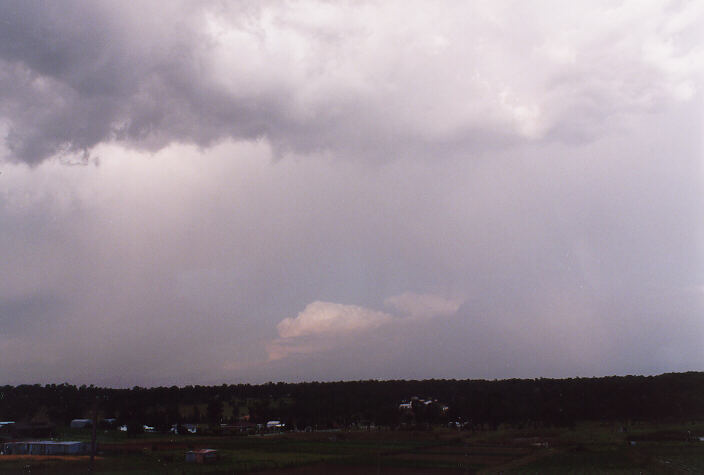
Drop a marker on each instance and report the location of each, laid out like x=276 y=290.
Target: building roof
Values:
x=202 y=451
x=48 y=442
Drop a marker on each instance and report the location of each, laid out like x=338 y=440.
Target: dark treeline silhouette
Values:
x=486 y=404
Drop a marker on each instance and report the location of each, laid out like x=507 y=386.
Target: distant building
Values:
x=202 y=456
x=45 y=447
x=407 y=407
x=81 y=423
x=184 y=428
x=6 y=427
x=274 y=425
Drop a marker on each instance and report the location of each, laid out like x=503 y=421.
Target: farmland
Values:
x=587 y=448
x=584 y=425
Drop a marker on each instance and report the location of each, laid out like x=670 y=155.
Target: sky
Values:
x=224 y=192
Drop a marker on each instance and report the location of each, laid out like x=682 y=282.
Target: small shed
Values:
x=202 y=456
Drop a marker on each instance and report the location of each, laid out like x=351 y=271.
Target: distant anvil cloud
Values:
x=325 y=325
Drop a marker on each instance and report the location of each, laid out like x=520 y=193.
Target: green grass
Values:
x=592 y=460
x=589 y=448
x=683 y=456
x=242 y=454
x=230 y=461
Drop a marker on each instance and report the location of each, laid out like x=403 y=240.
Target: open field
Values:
x=590 y=448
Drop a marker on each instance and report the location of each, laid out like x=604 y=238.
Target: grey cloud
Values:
x=312 y=78
x=77 y=74
x=28 y=314
x=550 y=179
x=563 y=269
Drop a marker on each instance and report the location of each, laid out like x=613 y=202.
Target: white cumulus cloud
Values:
x=322 y=326
x=330 y=318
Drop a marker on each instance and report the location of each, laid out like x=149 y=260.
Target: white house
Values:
x=274 y=425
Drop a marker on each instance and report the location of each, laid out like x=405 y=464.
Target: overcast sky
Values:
x=209 y=192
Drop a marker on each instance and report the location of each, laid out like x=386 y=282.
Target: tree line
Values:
x=479 y=403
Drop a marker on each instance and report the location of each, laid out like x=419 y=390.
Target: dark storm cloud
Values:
x=76 y=74
x=312 y=77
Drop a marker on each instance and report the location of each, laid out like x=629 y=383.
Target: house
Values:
x=430 y=404
x=109 y=422
x=202 y=456
x=45 y=447
x=185 y=428
x=81 y=423
x=274 y=425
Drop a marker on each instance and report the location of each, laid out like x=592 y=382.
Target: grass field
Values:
x=590 y=448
